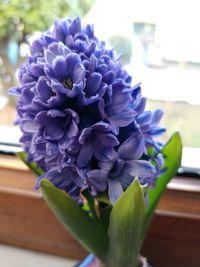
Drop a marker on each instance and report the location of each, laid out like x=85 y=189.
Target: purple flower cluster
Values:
x=82 y=121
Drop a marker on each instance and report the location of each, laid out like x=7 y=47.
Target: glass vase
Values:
x=92 y=261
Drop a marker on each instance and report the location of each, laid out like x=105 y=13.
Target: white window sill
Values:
x=12 y=256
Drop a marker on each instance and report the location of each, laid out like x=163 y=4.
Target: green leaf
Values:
x=172 y=152
x=78 y=222
x=126 y=222
x=105 y=217
x=32 y=166
x=91 y=205
x=103 y=197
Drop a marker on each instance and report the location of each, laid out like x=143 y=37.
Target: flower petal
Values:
x=145 y=117
x=119 y=102
x=98 y=179
x=53 y=132
x=132 y=147
x=126 y=179
x=72 y=60
x=124 y=118
x=157 y=116
x=43 y=89
x=75 y=26
x=72 y=174
x=141 y=106
x=103 y=153
x=139 y=168
x=79 y=73
x=114 y=190
x=49 y=56
x=108 y=140
x=15 y=91
x=29 y=126
x=60 y=68
x=93 y=83
x=85 y=155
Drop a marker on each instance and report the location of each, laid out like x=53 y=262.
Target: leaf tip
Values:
x=177 y=136
x=136 y=184
x=44 y=183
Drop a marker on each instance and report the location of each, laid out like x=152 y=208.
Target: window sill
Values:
x=27 y=222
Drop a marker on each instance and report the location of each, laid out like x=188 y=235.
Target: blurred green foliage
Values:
x=26 y=16
x=20 y=18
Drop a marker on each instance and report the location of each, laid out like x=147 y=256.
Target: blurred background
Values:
x=19 y=21
x=160 y=46
x=159 y=41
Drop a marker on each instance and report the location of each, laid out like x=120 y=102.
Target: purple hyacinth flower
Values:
x=82 y=121
x=126 y=166
x=97 y=140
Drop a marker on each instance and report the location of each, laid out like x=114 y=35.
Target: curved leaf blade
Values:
x=172 y=152
x=78 y=222
x=105 y=217
x=126 y=222
x=91 y=205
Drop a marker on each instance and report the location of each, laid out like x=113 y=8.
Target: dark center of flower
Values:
x=67 y=83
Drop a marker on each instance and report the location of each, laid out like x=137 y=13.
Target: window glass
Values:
x=165 y=56
x=159 y=42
